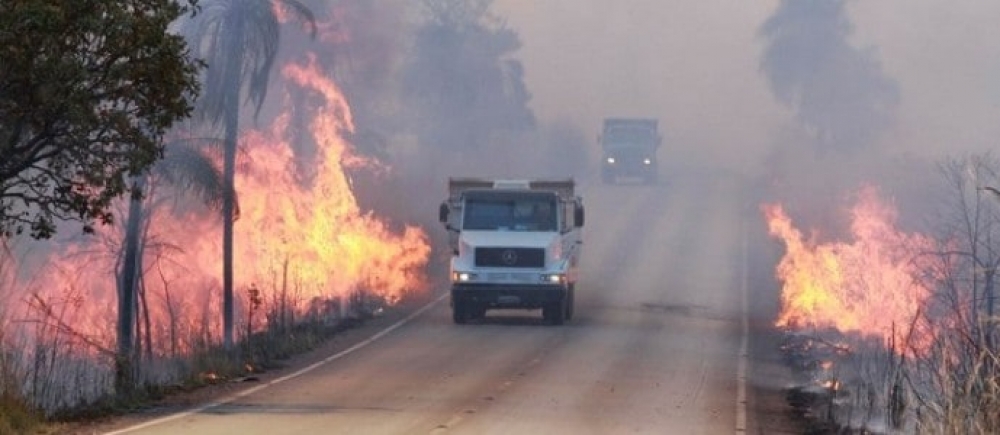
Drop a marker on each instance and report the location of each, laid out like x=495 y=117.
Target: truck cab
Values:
x=515 y=244
x=629 y=147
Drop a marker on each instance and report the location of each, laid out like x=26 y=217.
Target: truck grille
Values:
x=510 y=257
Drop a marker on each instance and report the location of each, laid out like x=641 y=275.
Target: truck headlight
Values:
x=611 y=160
x=462 y=276
x=553 y=278
x=647 y=161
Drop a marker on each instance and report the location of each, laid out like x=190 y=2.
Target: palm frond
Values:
x=304 y=14
x=239 y=40
x=260 y=43
x=188 y=168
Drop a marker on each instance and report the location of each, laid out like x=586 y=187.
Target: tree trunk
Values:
x=232 y=98
x=140 y=264
x=283 y=304
x=147 y=322
x=171 y=311
x=125 y=360
x=228 y=213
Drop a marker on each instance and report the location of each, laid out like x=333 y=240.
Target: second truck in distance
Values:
x=629 y=148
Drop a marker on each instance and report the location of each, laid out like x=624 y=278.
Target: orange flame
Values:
x=866 y=286
x=321 y=229
x=301 y=237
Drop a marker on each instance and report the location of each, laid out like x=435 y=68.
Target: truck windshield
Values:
x=628 y=135
x=510 y=214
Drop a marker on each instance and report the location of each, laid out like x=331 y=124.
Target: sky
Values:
x=696 y=65
x=946 y=59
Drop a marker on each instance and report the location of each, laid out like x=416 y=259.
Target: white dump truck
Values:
x=515 y=244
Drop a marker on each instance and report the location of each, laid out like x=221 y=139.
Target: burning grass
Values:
x=864 y=286
x=53 y=374
x=890 y=331
x=310 y=262
x=17 y=415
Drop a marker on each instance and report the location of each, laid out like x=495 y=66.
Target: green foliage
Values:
x=87 y=90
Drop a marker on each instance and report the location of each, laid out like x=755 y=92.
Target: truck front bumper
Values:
x=508 y=295
x=629 y=169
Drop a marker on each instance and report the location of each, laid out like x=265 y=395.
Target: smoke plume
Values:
x=837 y=91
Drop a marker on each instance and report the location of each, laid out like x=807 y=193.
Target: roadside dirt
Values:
x=768 y=408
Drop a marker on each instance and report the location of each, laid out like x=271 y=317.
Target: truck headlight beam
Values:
x=554 y=278
x=463 y=276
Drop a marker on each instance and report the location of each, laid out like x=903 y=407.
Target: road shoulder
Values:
x=187 y=400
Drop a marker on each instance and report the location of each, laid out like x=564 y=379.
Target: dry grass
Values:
x=864 y=386
x=50 y=372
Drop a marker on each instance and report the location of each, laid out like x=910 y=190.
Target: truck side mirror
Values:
x=578 y=216
x=443 y=213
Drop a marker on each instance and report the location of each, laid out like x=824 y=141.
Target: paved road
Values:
x=653 y=347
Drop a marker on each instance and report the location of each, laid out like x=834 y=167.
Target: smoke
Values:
x=439 y=91
x=843 y=103
x=837 y=91
x=436 y=90
x=463 y=90
x=758 y=87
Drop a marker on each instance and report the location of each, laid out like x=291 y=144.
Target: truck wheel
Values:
x=569 y=302
x=554 y=313
x=460 y=312
x=477 y=312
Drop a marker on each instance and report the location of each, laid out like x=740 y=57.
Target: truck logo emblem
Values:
x=508 y=257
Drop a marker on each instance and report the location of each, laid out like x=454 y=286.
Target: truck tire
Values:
x=460 y=312
x=554 y=313
x=477 y=312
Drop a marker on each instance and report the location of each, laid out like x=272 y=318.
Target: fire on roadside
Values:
x=302 y=238
x=864 y=286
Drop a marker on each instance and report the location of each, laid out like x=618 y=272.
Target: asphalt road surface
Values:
x=655 y=345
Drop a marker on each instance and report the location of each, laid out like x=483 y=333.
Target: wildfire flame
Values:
x=304 y=239
x=865 y=286
x=337 y=246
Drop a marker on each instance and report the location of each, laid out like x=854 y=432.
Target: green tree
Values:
x=87 y=89
x=239 y=40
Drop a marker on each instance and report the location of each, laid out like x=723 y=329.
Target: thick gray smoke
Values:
x=837 y=91
x=463 y=90
x=437 y=90
x=842 y=101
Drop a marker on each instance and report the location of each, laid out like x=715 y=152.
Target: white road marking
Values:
x=741 y=367
x=279 y=380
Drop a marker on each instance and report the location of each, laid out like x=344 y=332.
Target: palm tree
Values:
x=238 y=39
x=188 y=169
